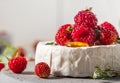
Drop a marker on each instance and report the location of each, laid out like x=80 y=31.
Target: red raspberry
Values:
x=63 y=35
x=107 y=37
x=108 y=33
x=87 y=18
x=42 y=70
x=1 y=66
x=84 y=34
x=106 y=26
x=35 y=43
x=20 y=51
x=17 y=64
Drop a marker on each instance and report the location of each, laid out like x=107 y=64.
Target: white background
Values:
x=28 y=20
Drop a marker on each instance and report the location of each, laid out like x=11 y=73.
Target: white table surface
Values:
x=28 y=76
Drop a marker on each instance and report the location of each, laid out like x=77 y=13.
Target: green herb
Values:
x=99 y=73
x=103 y=74
x=69 y=28
x=9 y=50
x=50 y=43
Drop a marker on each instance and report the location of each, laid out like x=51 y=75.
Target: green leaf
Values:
x=69 y=28
x=6 y=50
x=50 y=43
x=103 y=74
x=90 y=8
x=98 y=73
x=108 y=68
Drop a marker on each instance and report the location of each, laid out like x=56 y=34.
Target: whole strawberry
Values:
x=84 y=34
x=17 y=64
x=108 y=33
x=86 y=17
x=63 y=34
x=42 y=70
x=2 y=65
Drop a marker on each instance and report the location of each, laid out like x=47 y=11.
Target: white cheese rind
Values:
x=78 y=62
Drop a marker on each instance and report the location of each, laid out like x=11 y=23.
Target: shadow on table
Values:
x=51 y=77
x=28 y=73
x=89 y=78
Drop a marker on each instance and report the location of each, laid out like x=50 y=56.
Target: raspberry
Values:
x=84 y=34
x=35 y=43
x=42 y=70
x=108 y=33
x=19 y=51
x=107 y=37
x=17 y=64
x=63 y=34
x=1 y=66
x=106 y=26
x=87 y=18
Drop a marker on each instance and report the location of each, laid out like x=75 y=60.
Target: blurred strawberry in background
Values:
x=1 y=66
x=3 y=32
x=35 y=43
x=20 y=51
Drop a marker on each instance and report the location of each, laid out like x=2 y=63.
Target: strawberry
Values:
x=84 y=34
x=42 y=70
x=63 y=34
x=2 y=65
x=17 y=64
x=87 y=18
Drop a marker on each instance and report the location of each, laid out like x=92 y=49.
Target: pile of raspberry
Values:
x=86 y=29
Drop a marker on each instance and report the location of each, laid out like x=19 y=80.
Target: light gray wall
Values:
x=105 y=10
x=27 y=20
